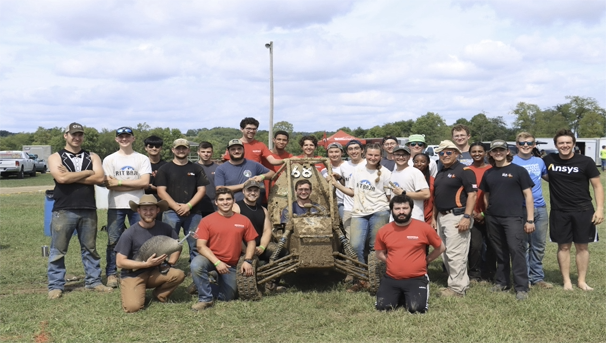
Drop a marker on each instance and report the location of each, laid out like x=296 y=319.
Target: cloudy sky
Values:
x=201 y=64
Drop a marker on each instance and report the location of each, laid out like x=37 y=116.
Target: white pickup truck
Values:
x=16 y=163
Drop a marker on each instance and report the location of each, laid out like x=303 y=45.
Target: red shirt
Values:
x=405 y=248
x=254 y=151
x=270 y=166
x=480 y=205
x=224 y=235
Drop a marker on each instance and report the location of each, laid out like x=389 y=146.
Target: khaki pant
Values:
x=132 y=289
x=457 y=250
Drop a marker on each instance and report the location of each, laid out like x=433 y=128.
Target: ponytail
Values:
x=378 y=173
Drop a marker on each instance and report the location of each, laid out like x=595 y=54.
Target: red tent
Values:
x=340 y=137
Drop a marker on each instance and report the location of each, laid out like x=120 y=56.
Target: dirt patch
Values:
x=27 y=189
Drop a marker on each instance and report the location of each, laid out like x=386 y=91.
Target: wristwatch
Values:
x=467 y=216
x=530 y=221
x=248 y=261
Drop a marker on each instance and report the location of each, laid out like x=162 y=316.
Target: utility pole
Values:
x=270 y=46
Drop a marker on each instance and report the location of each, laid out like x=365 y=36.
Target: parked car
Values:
x=16 y=163
x=40 y=165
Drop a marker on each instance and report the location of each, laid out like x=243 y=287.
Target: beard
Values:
x=236 y=159
x=402 y=218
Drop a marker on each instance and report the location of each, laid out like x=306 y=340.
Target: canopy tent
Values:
x=340 y=137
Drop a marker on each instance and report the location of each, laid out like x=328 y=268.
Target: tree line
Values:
x=583 y=115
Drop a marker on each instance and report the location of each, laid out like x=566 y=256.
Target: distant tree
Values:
x=487 y=129
x=375 y=132
x=592 y=125
x=526 y=117
x=4 y=133
x=401 y=128
x=345 y=129
x=434 y=128
x=462 y=121
x=359 y=132
x=284 y=126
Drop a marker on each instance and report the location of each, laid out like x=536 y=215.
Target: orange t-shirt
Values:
x=405 y=248
x=480 y=205
x=254 y=151
x=275 y=168
x=224 y=235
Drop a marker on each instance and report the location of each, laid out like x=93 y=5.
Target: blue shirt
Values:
x=536 y=168
x=228 y=174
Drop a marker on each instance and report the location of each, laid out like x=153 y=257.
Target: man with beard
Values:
x=183 y=185
x=401 y=245
x=156 y=272
x=235 y=172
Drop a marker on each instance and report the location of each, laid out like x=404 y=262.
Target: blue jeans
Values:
x=535 y=246
x=200 y=266
x=188 y=223
x=63 y=225
x=364 y=229
x=115 y=227
x=341 y=208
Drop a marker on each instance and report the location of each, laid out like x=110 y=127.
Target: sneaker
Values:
x=199 y=306
x=112 y=281
x=543 y=284
x=100 y=288
x=447 y=292
x=521 y=295
x=55 y=294
x=192 y=289
x=349 y=279
x=358 y=287
x=498 y=288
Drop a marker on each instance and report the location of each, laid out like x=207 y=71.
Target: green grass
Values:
x=40 y=180
x=315 y=309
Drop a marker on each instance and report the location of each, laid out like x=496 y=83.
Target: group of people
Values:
x=394 y=201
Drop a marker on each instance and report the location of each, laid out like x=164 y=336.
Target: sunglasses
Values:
x=124 y=130
x=526 y=143
x=151 y=146
x=447 y=153
x=415 y=144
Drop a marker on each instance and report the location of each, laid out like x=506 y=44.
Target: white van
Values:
x=430 y=150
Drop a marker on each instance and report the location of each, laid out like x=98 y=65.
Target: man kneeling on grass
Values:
x=220 y=236
x=401 y=245
x=156 y=271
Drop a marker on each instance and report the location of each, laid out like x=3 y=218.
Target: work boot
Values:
x=359 y=286
x=498 y=288
x=192 y=289
x=55 y=294
x=201 y=305
x=543 y=284
x=447 y=292
x=100 y=288
x=521 y=295
x=112 y=281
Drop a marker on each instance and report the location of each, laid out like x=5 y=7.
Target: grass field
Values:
x=40 y=180
x=316 y=308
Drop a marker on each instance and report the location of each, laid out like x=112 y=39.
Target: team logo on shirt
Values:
x=507 y=175
x=127 y=171
x=239 y=226
x=413 y=237
x=451 y=176
x=366 y=185
x=191 y=174
x=396 y=184
x=247 y=173
x=563 y=169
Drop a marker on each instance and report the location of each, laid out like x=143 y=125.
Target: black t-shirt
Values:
x=256 y=216
x=208 y=202
x=182 y=182
x=389 y=164
x=451 y=186
x=133 y=238
x=505 y=186
x=569 y=182
x=152 y=177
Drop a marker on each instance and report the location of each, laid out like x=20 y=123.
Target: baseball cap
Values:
x=402 y=148
x=353 y=141
x=416 y=138
x=498 y=144
x=180 y=142
x=335 y=145
x=251 y=183
x=234 y=142
x=73 y=128
x=447 y=144
x=124 y=130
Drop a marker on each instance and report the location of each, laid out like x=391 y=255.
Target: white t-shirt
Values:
x=433 y=167
x=411 y=180
x=125 y=167
x=339 y=195
x=347 y=168
x=369 y=196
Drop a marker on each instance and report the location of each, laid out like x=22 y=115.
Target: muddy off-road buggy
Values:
x=310 y=241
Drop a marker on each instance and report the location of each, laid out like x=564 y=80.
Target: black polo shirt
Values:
x=451 y=186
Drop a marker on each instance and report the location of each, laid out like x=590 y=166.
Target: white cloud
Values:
x=492 y=54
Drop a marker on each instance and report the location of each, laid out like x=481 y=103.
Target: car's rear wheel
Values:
x=43 y=170
x=33 y=173
x=21 y=174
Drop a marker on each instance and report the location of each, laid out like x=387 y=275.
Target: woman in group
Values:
x=479 y=269
x=370 y=189
x=334 y=152
x=506 y=187
x=308 y=145
x=421 y=162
